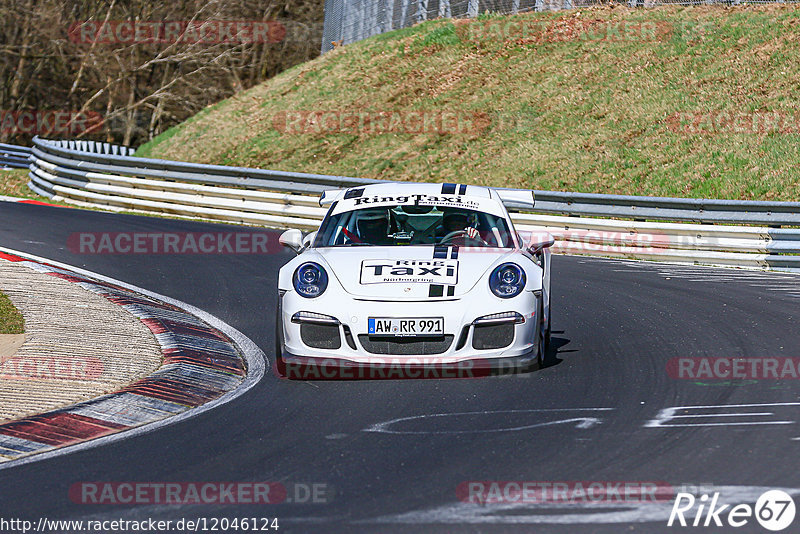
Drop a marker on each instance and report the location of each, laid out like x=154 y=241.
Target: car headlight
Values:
x=507 y=280
x=310 y=280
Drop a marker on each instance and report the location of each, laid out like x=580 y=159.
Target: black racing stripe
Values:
x=354 y=193
x=454 y=252
x=451 y=290
x=462 y=189
x=448 y=189
x=436 y=290
x=440 y=252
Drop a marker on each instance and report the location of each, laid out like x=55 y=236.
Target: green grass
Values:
x=564 y=105
x=14 y=183
x=11 y=321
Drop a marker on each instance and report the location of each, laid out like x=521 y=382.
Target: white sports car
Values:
x=419 y=273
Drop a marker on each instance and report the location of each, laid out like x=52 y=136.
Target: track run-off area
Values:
x=614 y=407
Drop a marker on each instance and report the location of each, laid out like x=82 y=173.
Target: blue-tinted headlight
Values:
x=507 y=280
x=310 y=280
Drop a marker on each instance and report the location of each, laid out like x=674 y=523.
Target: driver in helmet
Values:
x=373 y=227
x=456 y=220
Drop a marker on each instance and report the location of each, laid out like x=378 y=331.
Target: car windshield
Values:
x=414 y=225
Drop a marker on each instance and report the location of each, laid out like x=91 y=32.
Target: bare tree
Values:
x=75 y=57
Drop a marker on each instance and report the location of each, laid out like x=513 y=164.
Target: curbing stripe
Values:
x=168 y=340
x=144 y=311
x=126 y=409
x=230 y=365
x=20 y=446
x=166 y=325
x=10 y=257
x=203 y=366
x=28 y=201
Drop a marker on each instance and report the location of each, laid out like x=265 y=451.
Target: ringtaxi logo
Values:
x=774 y=510
x=409 y=271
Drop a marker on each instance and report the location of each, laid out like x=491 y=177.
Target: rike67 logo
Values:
x=774 y=510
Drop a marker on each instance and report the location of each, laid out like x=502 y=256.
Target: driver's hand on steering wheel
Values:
x=472 y=233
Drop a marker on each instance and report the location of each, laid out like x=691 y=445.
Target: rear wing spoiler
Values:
x=328 y=197
x=516 y=198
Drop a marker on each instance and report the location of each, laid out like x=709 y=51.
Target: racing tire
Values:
x=280 y=363
x=543 y=344
x=548 y=330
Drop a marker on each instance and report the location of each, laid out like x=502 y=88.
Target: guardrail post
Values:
x=388 y=16
x=422 y=10
x=444 y=9
x=403 y=12
x=472 y=8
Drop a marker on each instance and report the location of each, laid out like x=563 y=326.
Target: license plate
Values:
x=406 y=326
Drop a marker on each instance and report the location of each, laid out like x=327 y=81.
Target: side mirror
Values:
x=293 y=239
x=546 y=242
x=536 y=241
x=309 y=239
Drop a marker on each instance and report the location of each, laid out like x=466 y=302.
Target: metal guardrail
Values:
x=14 y=156
x=718 y=232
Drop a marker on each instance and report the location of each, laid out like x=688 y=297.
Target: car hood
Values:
x=409 y=273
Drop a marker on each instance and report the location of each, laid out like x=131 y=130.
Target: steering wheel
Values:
x=460 y=233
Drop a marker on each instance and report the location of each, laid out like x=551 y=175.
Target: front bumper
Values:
x=344 y=322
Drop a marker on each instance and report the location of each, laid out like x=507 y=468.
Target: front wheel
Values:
x=548 y=330
x=544 y=340
x=280 y=364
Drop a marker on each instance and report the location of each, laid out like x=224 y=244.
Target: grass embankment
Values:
x=670 y=101
x=11 y=321
x=14 y=183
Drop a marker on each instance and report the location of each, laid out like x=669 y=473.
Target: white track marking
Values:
x=667 y=414
x=255 y=358
x=581 y=422
x=571 y=513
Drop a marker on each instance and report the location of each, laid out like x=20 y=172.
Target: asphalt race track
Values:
x=588 y=417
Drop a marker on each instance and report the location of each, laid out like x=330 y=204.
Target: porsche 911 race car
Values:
x=412 y=271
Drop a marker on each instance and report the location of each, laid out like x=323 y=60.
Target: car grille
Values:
x=321 y=336
x=405 y=346
x=492 y=336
